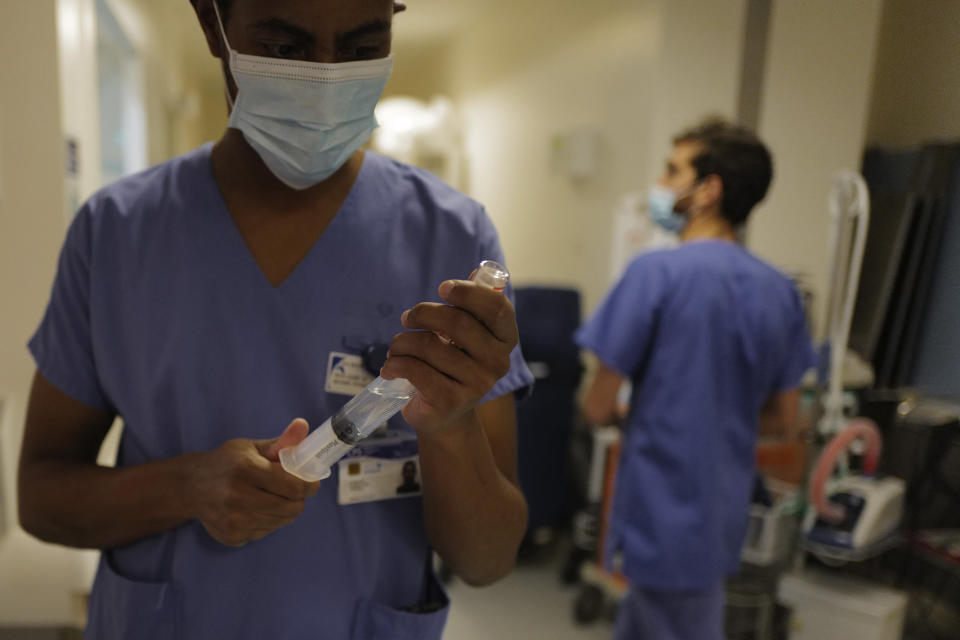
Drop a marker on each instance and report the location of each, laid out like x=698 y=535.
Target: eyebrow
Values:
x=368 y=28
x=280 y=24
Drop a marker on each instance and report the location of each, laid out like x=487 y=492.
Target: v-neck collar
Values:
x=238 y=246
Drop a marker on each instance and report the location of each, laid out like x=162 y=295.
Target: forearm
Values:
x=772 y=429
x=80 y=504
x=601 y=406
x=475 y=517
x=780 y=417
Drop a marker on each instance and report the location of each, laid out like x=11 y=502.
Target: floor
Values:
x=530 y=603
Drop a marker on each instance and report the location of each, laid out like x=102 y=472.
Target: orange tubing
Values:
x=858 y=428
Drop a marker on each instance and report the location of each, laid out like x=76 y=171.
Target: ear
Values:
x=711 y=191
x=207 y=16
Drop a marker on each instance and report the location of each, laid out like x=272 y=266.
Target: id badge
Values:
x=380 y=468
x=345 y=374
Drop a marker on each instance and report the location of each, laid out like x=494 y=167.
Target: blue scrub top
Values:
x=707 y=333
x=160 y=313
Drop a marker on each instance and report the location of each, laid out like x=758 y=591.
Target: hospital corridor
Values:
x=500 y=320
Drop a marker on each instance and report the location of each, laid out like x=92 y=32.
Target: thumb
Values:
x=293 y=435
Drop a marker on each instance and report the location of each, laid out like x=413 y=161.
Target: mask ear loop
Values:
x=229 y=51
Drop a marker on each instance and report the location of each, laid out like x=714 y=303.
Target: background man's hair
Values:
x=738 y=157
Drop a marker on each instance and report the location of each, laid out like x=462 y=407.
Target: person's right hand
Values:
x=241 y=491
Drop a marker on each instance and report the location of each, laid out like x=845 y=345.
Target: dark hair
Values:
x=737 y=156
x=224 y=6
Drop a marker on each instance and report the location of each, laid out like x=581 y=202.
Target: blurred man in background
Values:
x=710 y=337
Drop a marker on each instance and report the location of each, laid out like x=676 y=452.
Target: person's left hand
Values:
x=451 y=376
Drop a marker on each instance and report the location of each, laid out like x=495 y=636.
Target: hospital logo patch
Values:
x=345 y=374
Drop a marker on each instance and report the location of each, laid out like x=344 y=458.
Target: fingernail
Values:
x=403 y=316
x=446 y=288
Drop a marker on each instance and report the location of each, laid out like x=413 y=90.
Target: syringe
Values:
x=312 y=459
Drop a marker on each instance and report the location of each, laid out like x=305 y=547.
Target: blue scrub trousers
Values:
x=649 y=614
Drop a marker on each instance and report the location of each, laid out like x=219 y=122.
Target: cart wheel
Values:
x=588 y=605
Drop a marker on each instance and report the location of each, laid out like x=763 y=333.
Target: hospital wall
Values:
x=182 y=82
x=840 y=76
x=420 y=69
x=583 y=71
x=915 y=95
x=814 y=109
x=623 y=77
x=698 y=71
x=77 y=36
x=633 y=75
x=35 y=580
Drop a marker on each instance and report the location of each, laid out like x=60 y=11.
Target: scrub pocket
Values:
x=376 y=621
x=121 y=608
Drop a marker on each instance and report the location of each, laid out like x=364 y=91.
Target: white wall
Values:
x=632 y=73
x=35 y=580
x=697 y=72
x=637 y=73
x=183 y=83
x=586 y=66
x=813 y=116
x=420 y=70
x=916 y=95
x=77 y=35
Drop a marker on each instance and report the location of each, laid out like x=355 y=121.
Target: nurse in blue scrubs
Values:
x=212 y=299
x=713 y=340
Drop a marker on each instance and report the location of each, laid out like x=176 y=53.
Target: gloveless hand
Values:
x=241 y=491
x=452 y=373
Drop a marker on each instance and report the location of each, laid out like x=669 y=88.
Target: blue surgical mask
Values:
x=660 y=202
x=305 y=119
